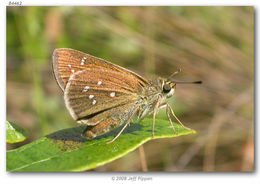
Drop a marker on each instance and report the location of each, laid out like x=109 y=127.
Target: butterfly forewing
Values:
x=66 y=62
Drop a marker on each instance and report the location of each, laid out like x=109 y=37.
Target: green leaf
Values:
x=15 y=133
x=67 y=150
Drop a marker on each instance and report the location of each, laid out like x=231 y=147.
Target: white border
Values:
x=102 y=178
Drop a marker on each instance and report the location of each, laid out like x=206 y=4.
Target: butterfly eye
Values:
x=166 y=88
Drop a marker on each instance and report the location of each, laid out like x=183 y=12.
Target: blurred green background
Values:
x=212 y=44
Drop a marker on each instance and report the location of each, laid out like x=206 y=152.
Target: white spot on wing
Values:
x=99 y=82
x=85 y=89
x=91 y=96
x=83 y=61
x=69 y=66
x=72 y=71
x=112 y=94
x=94 y=102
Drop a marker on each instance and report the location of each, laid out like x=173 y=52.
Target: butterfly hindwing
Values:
x=93 y=91
x=67 y=61
x=119 y=117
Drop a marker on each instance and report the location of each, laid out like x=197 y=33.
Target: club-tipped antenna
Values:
x=175 y=73
x=187 y=82
x=182 y=82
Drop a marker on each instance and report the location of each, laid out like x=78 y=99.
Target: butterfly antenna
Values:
x=175 y=73
x=187 y=82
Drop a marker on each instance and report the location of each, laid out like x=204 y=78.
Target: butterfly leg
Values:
x=156 y=108
x=162 y=106
x=169 y=117
x=127 y=123
x=177 y=118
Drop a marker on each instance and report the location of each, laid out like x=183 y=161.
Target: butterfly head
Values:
x=168 y=85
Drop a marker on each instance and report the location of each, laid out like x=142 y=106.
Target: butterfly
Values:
x=104 y=96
